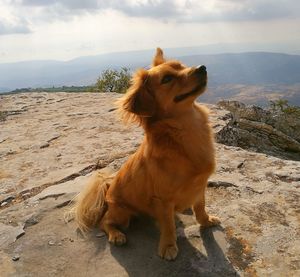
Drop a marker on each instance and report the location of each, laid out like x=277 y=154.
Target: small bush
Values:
x=283 y=106
x=114 y=80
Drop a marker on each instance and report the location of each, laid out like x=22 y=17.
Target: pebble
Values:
x=7 y=200
x=31 y=221
x=16 y=258
x=27 y=194
x=44 y=145
x=240 y=165
x=51 y=242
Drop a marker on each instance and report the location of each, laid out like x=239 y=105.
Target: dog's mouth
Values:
x=193 y=92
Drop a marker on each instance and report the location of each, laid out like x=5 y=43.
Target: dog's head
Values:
x=166 y=89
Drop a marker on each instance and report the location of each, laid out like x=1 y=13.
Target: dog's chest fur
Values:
x=184 y=144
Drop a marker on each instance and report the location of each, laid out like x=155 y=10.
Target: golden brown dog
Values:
x=169 y=171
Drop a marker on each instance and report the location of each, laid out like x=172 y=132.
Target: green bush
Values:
x=114 y=81
x=283 y=106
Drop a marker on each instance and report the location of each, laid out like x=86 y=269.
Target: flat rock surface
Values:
x=46 y=140
x=51 y=143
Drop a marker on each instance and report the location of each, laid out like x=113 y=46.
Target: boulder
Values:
x=263 y=130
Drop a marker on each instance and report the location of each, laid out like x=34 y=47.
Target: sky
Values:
x=62 y=30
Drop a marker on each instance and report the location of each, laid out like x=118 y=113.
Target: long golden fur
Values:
x=169 y=171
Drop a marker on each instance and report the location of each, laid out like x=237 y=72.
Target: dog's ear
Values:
x=138 y=100
x=158 y=58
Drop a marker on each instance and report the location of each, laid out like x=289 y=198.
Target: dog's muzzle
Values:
x=201 y=73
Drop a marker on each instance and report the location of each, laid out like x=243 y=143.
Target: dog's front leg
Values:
x=202 y=217
x=165 y=215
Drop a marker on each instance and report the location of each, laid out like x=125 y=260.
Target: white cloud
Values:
x=66 y=29
x=7 y=28
x=179 y=10
x=11 y=23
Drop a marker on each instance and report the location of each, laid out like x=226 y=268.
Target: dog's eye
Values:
x=167 y=79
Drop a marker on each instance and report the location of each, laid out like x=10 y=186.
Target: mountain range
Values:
x=256 y=74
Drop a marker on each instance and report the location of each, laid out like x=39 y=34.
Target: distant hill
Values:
x=255 y=68
x=252 y=94
x=229 y=74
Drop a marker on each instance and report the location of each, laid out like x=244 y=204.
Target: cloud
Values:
x=179 y=10
x=7 y=28
x=69 y=4
x=135 y=8
x=248 y=10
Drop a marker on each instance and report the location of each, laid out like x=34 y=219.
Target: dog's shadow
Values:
x=200 y=255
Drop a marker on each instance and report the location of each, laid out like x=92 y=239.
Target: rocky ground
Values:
x=51 y=143
x=268 y=131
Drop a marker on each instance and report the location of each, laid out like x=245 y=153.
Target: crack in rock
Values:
x=9 y=234
x=218 y=184
x=5 y=114
x=288 y=179
x=28 y=193
x=52 y=196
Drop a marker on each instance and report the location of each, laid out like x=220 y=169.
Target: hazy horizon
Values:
x=63 y=30
x=210 y=49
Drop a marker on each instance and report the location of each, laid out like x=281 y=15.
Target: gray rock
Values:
x=51 y=242
x=63 y=150
x=16 y=258
x=44 y=145
x=9 y=234
x=255 y=195
x=271 y=132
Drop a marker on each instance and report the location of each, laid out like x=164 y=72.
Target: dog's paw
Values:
x=117 y=238
x=211 y=221
x=168 y=252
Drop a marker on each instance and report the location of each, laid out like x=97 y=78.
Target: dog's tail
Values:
x=90 y=204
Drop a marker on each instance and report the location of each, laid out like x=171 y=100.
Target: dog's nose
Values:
x=201 y=69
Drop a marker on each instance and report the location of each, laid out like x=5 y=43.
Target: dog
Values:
x=169 y=171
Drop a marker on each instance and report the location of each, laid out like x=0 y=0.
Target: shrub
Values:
x=114 y=80
x=283 y=106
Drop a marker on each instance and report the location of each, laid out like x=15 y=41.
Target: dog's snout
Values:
x=201 y=69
